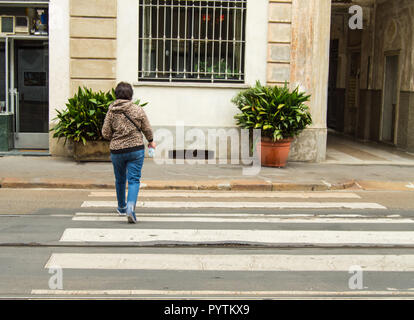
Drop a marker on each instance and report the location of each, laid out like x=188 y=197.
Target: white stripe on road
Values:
x=251 y=215
x=238 y=205
x=244 y=220
x=256 y=262
x=218 y=293
x=233 y=194
x=240 y=236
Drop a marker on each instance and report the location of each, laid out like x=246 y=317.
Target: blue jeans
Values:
x=127 y=166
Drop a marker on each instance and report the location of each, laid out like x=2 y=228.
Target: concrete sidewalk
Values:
x=344 y=150
x=53 y=172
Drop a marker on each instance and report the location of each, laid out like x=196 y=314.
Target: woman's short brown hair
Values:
x=124 y=91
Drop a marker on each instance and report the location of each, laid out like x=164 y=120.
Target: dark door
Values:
x=31 y=94
x=390 y=98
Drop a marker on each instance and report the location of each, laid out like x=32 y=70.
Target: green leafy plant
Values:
x=277 y=111
x=83 y=118
x=84 y=115
x=219 y=70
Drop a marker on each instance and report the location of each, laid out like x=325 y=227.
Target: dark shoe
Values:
x=122 y=212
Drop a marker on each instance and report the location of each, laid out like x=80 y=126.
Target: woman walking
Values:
x=123 y=126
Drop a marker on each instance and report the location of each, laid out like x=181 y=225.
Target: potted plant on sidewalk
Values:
x=280 y=113
x=81 y=122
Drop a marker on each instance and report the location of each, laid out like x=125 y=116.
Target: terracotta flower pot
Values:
x=274 y=154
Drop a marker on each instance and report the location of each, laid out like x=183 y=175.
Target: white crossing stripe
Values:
x=228 y=262
x=238 y=205
x=240 y=236
x=250 y=215
x=195 y=293
x=108 y=218
x=233 y=194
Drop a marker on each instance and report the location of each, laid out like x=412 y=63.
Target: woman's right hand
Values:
x=152 y=145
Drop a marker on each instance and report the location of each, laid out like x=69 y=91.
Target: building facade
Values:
x=188 y=59
x=371 y=81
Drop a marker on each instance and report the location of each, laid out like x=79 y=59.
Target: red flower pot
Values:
x=274 y=154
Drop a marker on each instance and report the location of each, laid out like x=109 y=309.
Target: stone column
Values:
x=93 y=44
x=91 y=41
x=309 y=70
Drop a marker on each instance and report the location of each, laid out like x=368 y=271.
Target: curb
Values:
x=206 y=185
x=228 y=244
x=16 y=183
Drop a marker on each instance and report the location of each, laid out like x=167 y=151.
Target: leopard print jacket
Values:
x=120 y=131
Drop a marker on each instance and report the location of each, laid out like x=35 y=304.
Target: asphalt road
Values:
x=48 y=249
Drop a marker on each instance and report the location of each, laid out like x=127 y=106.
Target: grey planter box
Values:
x=92 y=151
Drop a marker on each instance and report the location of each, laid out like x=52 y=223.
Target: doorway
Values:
x=3 y=76
x=390 y=99
x=335 y=107
x=352 y=92
x=24 y=72
x=32 y=94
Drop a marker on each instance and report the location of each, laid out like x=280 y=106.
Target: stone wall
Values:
x=387 y=30
x=91 y=35
x=410 y=128
x=404 y=119
x=394 y=25
x=309 y=68
x=278 y=63
x=405 y=136
x=298 y=53
x=93 y=38
x=369 y=111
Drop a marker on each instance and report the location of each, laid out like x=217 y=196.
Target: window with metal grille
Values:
x=198 y=41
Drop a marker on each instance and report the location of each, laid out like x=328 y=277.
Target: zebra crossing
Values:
x=353 y=226
x=251 y=262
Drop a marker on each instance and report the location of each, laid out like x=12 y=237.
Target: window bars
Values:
x=201 y=41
